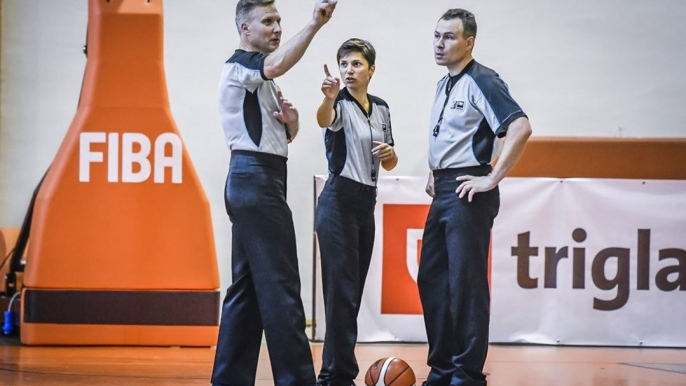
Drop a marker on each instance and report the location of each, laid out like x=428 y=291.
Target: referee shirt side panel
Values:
x=246 y=103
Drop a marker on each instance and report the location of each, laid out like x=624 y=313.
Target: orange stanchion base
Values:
x=121 y=318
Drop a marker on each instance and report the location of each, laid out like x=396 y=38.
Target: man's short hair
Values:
x=244 y=7
x=357 y=45
x=468 y=20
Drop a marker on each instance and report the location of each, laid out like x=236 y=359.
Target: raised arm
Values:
x=285 y=57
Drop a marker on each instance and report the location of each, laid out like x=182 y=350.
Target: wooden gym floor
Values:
x=507 y=365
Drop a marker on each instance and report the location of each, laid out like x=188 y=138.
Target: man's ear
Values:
x=245 y=30
x=372 y=68
x=470 y=42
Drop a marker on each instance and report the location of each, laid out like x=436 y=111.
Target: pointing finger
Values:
x=326 y=71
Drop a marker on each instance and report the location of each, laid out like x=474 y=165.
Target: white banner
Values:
x=590 y=261
x=574 y=261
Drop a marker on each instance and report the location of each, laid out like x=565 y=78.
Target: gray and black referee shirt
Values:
x=247 y=101
x=470 y=115
x=349 y=138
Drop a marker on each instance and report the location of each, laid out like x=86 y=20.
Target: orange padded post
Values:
x=122 y=248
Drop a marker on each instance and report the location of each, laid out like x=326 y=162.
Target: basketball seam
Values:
x=396 y=377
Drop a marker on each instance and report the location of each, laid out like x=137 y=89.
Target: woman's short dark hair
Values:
x=357 y=45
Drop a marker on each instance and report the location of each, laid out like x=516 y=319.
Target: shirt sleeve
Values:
x=388 y=131
x=492 y=98
x=338 y=111
x=250 y=70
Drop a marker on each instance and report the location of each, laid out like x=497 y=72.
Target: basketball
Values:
x=390 y=371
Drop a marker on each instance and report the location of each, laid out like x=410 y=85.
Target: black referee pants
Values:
x=265 y=293
x=344 y=222
x=453 y=279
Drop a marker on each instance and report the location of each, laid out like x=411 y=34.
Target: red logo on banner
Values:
x=399 y=293
x=403 y=226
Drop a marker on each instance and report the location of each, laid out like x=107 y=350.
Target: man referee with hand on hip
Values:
x=472 y=113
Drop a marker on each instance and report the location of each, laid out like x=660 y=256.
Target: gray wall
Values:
x=582 y=68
